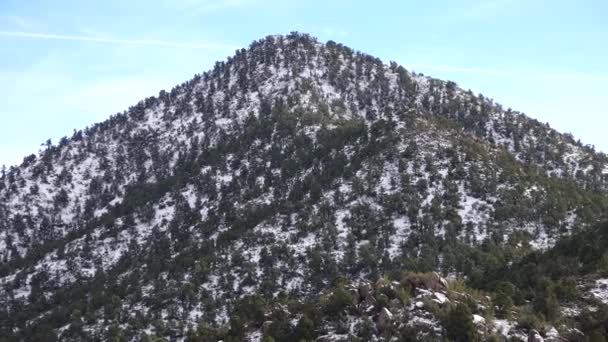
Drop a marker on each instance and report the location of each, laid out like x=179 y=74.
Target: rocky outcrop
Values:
x=431 y=281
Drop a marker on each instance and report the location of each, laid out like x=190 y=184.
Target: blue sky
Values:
x=68 y=64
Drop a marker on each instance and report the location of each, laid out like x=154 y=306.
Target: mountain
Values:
x=304 y=190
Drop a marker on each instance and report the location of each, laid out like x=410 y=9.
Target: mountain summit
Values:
x=302 y=190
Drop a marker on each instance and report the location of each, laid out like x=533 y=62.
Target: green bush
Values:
x=459 y=324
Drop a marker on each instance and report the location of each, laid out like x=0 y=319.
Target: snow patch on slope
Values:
x=600 y=291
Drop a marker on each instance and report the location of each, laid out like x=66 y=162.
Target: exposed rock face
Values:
x=432 y=282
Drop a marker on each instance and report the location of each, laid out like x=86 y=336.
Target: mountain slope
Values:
x=286 y=165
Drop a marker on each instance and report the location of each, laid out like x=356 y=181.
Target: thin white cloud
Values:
x=537 y=75
x=159 y=43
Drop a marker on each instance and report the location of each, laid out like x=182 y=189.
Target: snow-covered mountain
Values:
x=287 y=165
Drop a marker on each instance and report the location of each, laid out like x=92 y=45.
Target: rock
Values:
x=552 y=335
x=365 y=290
x=552 y=332
x=441 y=281
x=480 y=325
x=356 y=298
x=459 y=297
x=575 y=335
x=477 y=320
x=381 y=282
x=369 y=300
x=385 y=319
x=440 y=298
x=265 y=326
x=534 y=336
x=432 y=281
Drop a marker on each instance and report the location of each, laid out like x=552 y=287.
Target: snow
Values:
x=571 y=311
x=552 y=333
x=191 y=195
x=387 y=313
x=341 y=215
x=472 y=211
x=600 y=291
x=402 y=231
x=428 y=322
x=100 y=159
x=254 y=336
x=389 y=177
x=503 y=326
x=543 y=241
x=478 y=319
x=440 y=298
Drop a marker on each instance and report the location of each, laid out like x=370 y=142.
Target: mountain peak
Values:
x=278 y=175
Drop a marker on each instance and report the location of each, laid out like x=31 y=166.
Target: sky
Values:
x=65 y=65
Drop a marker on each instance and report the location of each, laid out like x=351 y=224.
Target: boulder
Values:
x=459 y=297
x=480 y=324
x=369 y=300
x=365 y=290
x=442 y=282
x=534 y=336
x=385 y=319
x=381 y=282
x=355 y=295
x=265 y=326
x=440 y=298
x=431 y=281
x=478 y=320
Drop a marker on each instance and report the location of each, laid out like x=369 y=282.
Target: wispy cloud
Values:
x=537 y=75
x=146 y=42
